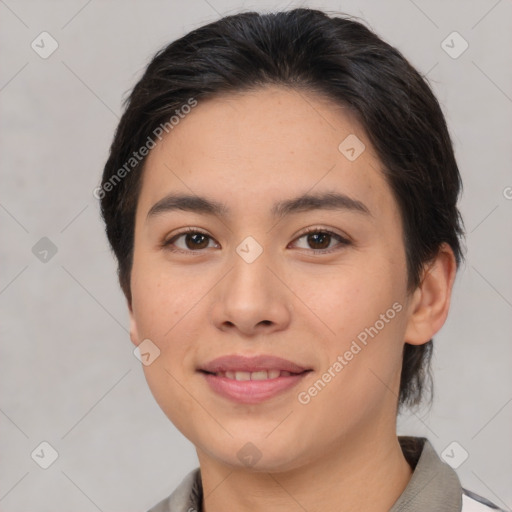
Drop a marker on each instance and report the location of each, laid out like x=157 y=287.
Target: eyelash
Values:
x=343 y=242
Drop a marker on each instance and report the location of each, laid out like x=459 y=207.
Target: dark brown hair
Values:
x=343 y=61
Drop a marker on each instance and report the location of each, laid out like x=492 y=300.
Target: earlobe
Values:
x=431 y=300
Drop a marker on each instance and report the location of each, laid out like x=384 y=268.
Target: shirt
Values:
x=434 y=486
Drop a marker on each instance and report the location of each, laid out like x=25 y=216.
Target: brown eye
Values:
x=196 y=241
x=320 y=240
x=189 y=241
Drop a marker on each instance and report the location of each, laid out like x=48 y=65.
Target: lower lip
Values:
x=251 y=391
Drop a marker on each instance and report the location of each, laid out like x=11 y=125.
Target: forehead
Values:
x=263 y=145
x=273 y=123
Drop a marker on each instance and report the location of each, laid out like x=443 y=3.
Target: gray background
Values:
x=68 y=374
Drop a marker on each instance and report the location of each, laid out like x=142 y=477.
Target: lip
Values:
x=251 y=391
x=240 y=363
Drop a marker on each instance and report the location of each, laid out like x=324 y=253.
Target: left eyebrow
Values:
x=303 y=203
x=321 y=201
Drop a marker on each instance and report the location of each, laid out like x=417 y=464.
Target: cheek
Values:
x=351 y=299
x=364 y=310
x=160 y=298
x=163 y=307
x=164 y=311
x=171 y=393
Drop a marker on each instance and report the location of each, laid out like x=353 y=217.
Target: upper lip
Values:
x=233 y=363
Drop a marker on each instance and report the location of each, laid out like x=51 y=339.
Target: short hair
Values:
x=306 y=50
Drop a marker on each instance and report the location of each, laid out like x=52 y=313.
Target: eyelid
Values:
x=323 y=229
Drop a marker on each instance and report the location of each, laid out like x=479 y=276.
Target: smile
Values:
x=259 y=375
x=251 y=379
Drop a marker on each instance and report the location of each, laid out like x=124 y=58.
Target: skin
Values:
x=339 y=451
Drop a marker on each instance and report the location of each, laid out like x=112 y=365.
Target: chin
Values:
x=254 y=454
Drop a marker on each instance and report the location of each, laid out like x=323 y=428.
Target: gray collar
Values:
x=433 y=486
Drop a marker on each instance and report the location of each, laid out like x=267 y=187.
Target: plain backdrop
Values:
x=68 y=374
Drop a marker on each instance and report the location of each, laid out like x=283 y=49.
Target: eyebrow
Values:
x=303 y=203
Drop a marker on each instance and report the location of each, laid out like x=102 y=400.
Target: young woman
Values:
x=281 y=196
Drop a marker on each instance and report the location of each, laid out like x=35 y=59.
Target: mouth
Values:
x=256 y=375
x=252 y=380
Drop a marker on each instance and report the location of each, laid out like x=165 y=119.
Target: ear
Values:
x=431 y=300
x=134 y=332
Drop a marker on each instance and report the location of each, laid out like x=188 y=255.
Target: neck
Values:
x=353 y=476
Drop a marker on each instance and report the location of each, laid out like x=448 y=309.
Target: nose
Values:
x=251 y=300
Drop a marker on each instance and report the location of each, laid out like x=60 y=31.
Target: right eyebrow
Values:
x=189 y=203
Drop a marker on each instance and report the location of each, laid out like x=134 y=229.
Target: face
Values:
x=304 y=302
